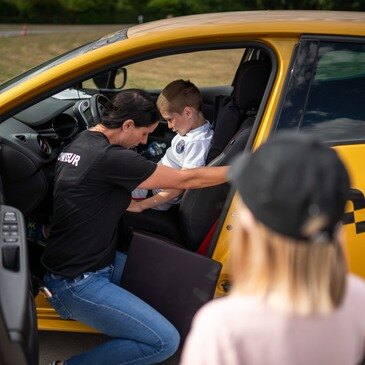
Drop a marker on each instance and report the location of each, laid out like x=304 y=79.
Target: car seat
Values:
x=189 y=223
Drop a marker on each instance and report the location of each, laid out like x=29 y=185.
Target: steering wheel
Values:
x=98 y=103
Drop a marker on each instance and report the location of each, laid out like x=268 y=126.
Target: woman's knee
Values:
x=170 y=338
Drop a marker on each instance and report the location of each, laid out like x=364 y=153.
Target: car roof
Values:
x=267 y=21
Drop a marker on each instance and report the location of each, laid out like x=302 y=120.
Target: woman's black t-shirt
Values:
x=93 y=185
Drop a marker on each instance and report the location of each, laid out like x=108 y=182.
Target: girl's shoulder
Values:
x=356 y=286
x=232 y=306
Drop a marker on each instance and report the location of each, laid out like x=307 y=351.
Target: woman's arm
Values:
x=168 y=178
x=157 y=199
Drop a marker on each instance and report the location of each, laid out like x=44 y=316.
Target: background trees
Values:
x=127 y=11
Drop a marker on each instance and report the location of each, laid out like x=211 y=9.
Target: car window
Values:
x=219 y=68
x=204 y=68
x=335 y=108
x=326 y=98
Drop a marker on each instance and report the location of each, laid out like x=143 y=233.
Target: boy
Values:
x=180 y=104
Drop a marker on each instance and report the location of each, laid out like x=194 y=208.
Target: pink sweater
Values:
x=244 y=330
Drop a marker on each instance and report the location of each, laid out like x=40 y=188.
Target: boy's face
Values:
x=179 y=123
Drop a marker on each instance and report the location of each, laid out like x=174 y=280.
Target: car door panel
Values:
x=18 y=324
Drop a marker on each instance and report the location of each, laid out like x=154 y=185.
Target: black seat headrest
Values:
x=248 y=89
x=250 y=84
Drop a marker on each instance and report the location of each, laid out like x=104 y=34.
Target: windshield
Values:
x=111 y=38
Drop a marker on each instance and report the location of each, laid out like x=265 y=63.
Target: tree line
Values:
x=132 y=11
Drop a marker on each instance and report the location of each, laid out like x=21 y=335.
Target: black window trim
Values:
x=248 y=147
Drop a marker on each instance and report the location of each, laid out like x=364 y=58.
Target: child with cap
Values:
x=292 y=299
x=180 y=104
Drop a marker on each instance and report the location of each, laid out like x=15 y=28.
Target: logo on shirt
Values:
x=68 y=157
x=180 y=147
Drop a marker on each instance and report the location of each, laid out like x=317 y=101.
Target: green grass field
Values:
x=19 y=53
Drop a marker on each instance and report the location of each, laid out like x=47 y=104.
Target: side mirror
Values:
x=113 y=79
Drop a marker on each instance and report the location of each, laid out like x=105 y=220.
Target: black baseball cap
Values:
x=294 y=185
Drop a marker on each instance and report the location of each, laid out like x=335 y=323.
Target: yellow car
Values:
x=259 y=73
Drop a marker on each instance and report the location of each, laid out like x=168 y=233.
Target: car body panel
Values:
x=353 y=155
x=49 y=320
x=250 y=22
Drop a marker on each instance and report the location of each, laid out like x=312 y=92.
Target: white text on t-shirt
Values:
x=71 y=158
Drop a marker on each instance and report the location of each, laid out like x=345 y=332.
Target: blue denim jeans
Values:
x=139 y=334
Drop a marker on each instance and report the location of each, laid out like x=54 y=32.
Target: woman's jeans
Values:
x=139 y=334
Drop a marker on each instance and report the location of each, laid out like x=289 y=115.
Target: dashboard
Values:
x=64 y=118
x=30 y=142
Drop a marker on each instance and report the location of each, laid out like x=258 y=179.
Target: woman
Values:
x=95 y=175
x=292 y=301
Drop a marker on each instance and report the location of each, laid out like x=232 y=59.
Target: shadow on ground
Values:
x=62 y=345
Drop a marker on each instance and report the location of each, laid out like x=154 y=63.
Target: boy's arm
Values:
x=160 y=198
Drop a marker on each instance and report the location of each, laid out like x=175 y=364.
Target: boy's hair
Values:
x=291 y=274
x=179 y=94
x=133 y=104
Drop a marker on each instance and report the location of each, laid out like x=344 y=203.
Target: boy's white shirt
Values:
x=189 y=151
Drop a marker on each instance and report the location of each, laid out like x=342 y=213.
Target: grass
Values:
x=204 y=68
x=20 y=53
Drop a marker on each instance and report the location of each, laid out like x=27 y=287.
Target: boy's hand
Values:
x=135 y=207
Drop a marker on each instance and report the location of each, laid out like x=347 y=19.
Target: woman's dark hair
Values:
x=133 y=104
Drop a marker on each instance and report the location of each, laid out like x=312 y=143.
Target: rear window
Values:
x=332 y=105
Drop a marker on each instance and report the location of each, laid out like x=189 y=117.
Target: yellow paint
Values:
x=221 y=252
x=48 y=319
x=353 y=157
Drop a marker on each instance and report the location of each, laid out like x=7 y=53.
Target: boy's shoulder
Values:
x=204 y=132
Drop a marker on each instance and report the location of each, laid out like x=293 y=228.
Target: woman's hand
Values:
x=135 y=207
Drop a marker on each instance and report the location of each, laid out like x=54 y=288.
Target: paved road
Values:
x=61 y=345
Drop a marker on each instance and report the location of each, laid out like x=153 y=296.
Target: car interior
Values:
x=190 y=222
x=32 y=139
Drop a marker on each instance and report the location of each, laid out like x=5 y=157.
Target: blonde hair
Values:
x=296 y=276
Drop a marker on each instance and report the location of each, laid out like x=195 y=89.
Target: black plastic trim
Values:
x=248 y=147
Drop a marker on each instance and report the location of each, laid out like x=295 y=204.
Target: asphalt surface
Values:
x=62 y=345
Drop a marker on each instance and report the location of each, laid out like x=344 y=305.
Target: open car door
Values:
x=174 y=281
x=18 y=325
